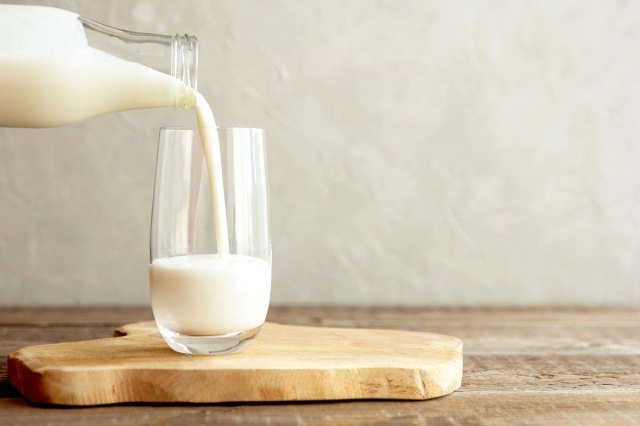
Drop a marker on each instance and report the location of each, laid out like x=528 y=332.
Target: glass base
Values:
x=229 y=343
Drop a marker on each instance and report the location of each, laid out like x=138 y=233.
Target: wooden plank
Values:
x=566 y=340
x=522 y=408
x=93 y=315
x=350 y=316
x=558 y=373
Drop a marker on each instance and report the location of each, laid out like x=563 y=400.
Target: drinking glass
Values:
x=203 y=301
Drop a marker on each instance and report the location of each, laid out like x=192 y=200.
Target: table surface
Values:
x=521 y=366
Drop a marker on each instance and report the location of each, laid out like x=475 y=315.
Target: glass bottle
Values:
x=57 y=67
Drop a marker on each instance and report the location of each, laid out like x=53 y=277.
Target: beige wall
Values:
x=421 y=152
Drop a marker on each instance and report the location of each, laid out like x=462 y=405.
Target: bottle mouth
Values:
x=184 y=59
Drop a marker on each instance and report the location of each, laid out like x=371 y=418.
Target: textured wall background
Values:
x=421 y=152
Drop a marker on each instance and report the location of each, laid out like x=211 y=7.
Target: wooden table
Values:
x=522 y=366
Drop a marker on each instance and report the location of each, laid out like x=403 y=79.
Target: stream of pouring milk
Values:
x=50 y=76
x=211 y=149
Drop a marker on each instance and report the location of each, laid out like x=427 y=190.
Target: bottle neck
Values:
x=184 y=59
x=174 y=55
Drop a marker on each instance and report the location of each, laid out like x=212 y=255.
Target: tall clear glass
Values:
x=203 y=302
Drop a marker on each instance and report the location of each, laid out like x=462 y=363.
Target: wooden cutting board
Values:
x=285 y=363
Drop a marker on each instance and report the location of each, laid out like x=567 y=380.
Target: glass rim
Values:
x=219 y=128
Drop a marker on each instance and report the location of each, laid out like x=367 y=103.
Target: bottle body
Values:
x=58 y=68
x=55 y=92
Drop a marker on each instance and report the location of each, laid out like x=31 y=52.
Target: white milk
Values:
x=205 y=295
x=211 y=149
x=50 y=76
